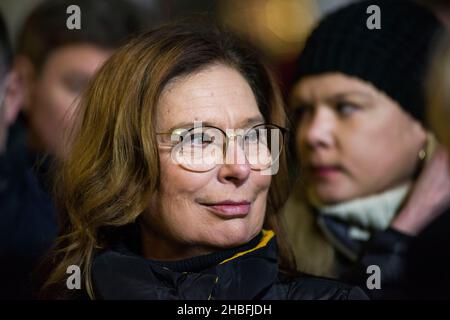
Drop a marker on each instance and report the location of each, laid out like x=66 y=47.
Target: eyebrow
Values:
x=299 y=102
x=251 y=121
x=243 y=124
x=350 y=93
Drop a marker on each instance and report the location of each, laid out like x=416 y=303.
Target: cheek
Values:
x=261 y=182
x=173 y=207
x=364 y=153
x=380 y=158
x=54 y=104
x=261 y=186
x=180 y=183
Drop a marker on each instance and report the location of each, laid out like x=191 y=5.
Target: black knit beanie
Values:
x=394 y=58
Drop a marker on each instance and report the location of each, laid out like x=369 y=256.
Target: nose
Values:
x=317 y=130
x=236 y=168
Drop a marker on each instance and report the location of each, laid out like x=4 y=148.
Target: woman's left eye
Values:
x=252 y=136
x=346 y=108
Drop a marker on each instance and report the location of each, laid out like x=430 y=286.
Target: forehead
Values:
x=218 y=95
x=78 y=57
x=330 y=84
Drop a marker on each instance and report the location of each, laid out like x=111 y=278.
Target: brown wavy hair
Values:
x=112 y=163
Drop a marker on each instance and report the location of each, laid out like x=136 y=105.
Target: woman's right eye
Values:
x=306 y=108
x=200 y=139
x=302 y=112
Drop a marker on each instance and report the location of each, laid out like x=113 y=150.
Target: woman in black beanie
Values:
x=366 y=158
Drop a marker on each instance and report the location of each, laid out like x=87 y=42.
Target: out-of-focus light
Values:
x=278 y=27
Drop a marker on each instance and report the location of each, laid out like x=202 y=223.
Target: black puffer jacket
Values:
x=247 y=272
x=386 y=249
x=428 y=261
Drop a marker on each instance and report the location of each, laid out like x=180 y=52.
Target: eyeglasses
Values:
x=201 y=148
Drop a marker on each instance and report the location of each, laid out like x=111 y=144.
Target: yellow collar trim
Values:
x=267 y=235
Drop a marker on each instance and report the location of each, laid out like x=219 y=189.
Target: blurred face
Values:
x=52 y=94
x=352 y=139
x=10 y=101
x=196 y=213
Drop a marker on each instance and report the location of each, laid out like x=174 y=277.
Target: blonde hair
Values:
x=314 y=254
x=438 y=90
x=112 y=164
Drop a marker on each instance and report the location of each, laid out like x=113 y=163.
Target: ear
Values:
x=24 y=79
x=13 y=98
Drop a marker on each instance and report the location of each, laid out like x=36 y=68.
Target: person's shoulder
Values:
x=308 y=287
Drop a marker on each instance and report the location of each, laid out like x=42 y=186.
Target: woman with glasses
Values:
x=175 y=175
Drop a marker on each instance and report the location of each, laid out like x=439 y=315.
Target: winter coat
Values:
x=247 y=272
x=335 y=254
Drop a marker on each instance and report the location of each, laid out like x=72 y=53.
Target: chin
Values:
x=234 y=235
x=330 y=195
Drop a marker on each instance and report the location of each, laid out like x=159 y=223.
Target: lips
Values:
x=229 y=209
x=325 y=170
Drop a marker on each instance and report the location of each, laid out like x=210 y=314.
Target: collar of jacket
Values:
x=241 y=273
x=350 y=224
x=364 y=215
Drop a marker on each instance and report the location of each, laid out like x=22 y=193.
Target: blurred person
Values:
x=10 y=101
x=11 y=159
x=429 y=257
x=53 y=65
x=156 y=207
x=10 y=98
x=365 y=154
